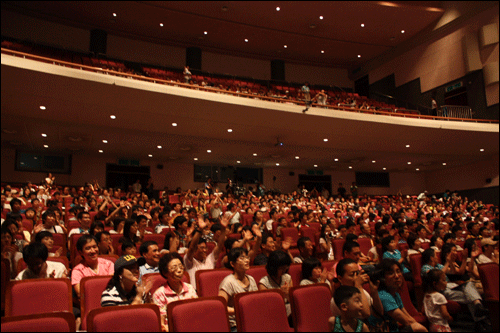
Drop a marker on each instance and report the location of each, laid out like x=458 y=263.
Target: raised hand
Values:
x=224 y=221
x=58 y=252
x=285 y=245
x=285 y=288
x=201 y=222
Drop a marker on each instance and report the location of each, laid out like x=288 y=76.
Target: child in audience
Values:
x=434 y=282
x=46 y=238
x=390 y=251
x=348 y=300
x=128 y=248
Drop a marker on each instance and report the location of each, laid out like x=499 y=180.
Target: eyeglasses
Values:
x=176 y=267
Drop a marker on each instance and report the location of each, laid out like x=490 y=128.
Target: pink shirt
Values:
x=105 y=267
x=165 y=295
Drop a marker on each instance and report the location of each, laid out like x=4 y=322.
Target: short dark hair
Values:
x=80 y=215
x=126 y=245
x=35 y=250
x=234 y=254
x=308 y=265
x=42 y=234
x=301 y=242
x=276 y=260
x=343 y=293
x=178 y=221
x=98 y=236
x=385 y=242
x=144 y=248
x=348 y=246
x=385 y=266
x=427 y=255
x=411 y=240
x=164 y=260
x=340 y=270
x=48 y=213
x=351 y=238
x=84 y=239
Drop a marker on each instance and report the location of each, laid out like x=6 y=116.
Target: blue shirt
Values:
x=396 y=255
x=390 y=303
x=426 y=268
x=146 y=269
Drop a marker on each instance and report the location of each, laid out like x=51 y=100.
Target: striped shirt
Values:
x=112 y=297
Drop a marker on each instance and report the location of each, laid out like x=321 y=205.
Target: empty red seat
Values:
x=133 y=318
x=311 y=307
x=41 y=322
x=204 y=314
x=208 y=281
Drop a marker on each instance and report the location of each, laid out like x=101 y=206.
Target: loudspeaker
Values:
x=98 y=41
x=159 y=166
x=278 y=70
x=291 y=173
x=193 y=58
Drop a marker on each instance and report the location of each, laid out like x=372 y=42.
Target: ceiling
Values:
x=77 y=119
x=228 y=23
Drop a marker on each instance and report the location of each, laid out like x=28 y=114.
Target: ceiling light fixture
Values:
x=161 y=24
x=174 y=124
x=238 y=162
x=402 y=31
x=150 y=155
x=362 y=25
x=209 y=151
x=159 y=147
x=246 y=40
x=205 y=32
x=336 y=160
x=409 y=162
x=229 y=130
x=417 y=169
x=407 y=146
x=296 y=157
x=374 y=161
x=101 y=151
x=277 y=164
x=315 y=165
x=278 y=9
x=285 y=46
x=444 y=163
x=44 y=135
x=196 y=159
x=350 y=167
x=482 y=149
x=112 y=116
x=104 y=141
x=114 y=14
x=326 y=140
x=322 y=51
x=384 y=168
x=42 y=107
x=321 y=17
x=359 y=55
x=45 y=146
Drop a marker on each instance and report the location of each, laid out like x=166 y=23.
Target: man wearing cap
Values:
x=490 y=251
x=123 y=288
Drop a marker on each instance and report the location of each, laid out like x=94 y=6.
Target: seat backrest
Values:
x=41 y=322
x=315 y=225
x=290 y=232
x=91 y=288
x=311 y=307
x=365 y=244
x=338 y=244
x=158 y=238
x=416 y=268
x=266 y=305
x=208 y=281
x=489 y=279
x=309 y=232
x=405 y=297
x=204 y=314
x=295 y=272
x=132 y=318
x=5 y=278
x=38 y=296
x=257 y=272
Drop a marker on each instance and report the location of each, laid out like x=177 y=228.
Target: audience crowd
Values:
x=206 y=229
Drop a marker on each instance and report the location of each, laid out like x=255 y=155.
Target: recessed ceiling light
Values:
x=322 y=51
x=444 y=163
x=114 y=14
x=402 y=31
x=209 y=151
x=42 y=107
x=174 y=124
x=112 y=116
x=315 y=165
x=409 y=162
x=101 y=151
x=104 y=141
x=45 y=146
x=246 y=40
x=481 y=149
x=407 y=146
x=238 y=162
x=374 y=161
x=362 y=25
x=278 y=9
x=277 y=164
x=159 y=147
x=229 y=130
x=254 y=154
x=336 y=160
x=150 y=155
x=321 y=17
x=359 y=55
x=417 y=169
x=384 y=168
x=285 y=46
x=326 y=140
x=44 y=135
x=161 y=24
x=350 y=167
x=196 y=159
x=297 y=157
x=205 y=32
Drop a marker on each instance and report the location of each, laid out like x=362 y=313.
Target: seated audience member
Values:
x=91 y=265
x=19 y=236
x=352 y=251
x=129 y=232
x=452 y=238
x=434 y=283
x=460 y=291
x=171 y=243
x=85 y=221
x=277 y=276
x=128 y=248
x=403 y=235
x=490 y=251
x=312 y=273
x=35 y=256
x=171 y=268
x=473 y=228
x=118 y=224
x=105 y=243
x=151 y=253
x=390 y=251
x=142 y=224
x=49 y=223
x=366 y=231
x=325 y=240
x=238 y=281
x=123 y=288
x=46 y=238
x=95 y=227
x=348 y=301
x=268 y=245
x=436 y=243
x=9 y=250
x=353 y=238
x=341 y=232
x=394 y=312
x=164 y=222
x=414 y=246
x=306 y=249
x=349 y=274
x=196 y=257
x=422 y=234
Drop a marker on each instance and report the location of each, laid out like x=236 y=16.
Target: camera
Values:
x=375 y=275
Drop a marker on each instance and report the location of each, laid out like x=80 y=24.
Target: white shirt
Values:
x=432 y=304
x=195 y=265
x=52 y=266
x=269 y=225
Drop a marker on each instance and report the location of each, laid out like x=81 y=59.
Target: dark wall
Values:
x=488 y=195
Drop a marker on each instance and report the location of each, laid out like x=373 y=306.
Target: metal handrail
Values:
x=455 y=111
